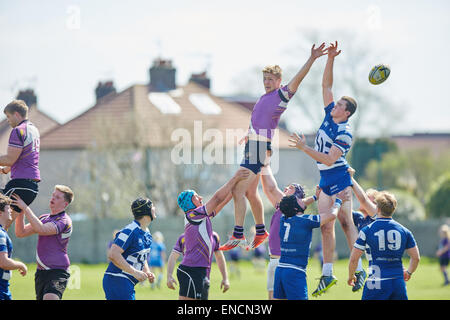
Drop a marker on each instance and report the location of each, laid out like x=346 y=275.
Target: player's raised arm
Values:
x=327 y=80
x=298 y=78
x=270 y=186
x=362 y=196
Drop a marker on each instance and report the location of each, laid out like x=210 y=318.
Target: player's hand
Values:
x=17 y=201
x=318 y=190
x=22 y=269
x=5 y=170
x=171 y=283
x=351 y=171
x=351 y=280
x=242 y=174
x=140 y=275
x=345 y=195
x=224 y=285
x=244 y=139
x=406 y=275
x=333 y=51
x=318 y=52
x=151 y=277
x=297 y=142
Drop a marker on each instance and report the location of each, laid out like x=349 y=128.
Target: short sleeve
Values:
x=179 y=245
x=62 y=225
x=313 y=220
x=329 y=107
x=3 y=242
x=284 y=94
x=123 y=238
x=410 y=241
x=16 y=139
x=217 y=241
x=360 y=243
x=343 y=141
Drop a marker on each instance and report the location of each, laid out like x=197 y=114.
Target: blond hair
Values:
x=68 y=193
x=275 y=70
x=18 y=106
x=386 y=202
x=445 y=230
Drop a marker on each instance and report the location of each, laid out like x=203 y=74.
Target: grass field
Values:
x=425 y=284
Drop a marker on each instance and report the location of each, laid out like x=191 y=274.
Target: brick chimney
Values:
x=201 y=79
x=162 y=75
x=28 y=96
x=103 y=89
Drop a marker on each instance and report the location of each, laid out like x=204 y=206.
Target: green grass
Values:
x=426 y=283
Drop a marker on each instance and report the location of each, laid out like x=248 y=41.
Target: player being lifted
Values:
x=264 y=120
x=332 y=143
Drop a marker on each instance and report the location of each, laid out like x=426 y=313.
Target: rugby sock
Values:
x=359 y=267
x=445 y=276
x=238 y=232
x=260 y=229
x=327 y=269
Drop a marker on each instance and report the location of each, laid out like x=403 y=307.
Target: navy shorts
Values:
x=193 y=281
x=290 y=283
x=5 y=293
x=334 y=180
x=386 y=289
x=255 y=155
x=443 y=261
x=118 y=288
x=26 y=189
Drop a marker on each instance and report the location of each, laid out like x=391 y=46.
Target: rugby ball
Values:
x=379 y=74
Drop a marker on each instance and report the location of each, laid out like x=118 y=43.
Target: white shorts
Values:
x=273 y=263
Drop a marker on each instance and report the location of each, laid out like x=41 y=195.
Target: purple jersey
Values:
x=442 y=244
x=274 y=235
x=180 y=247
x=51 y=250
x=198 y=238
x=26 y=137
x=267 y=111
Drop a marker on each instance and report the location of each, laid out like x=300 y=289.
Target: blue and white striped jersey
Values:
x=386 y=240
x=5 y=246
x=333 y=134
x=296 y=236
x=136 y=245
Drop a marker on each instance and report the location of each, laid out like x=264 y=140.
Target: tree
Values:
x=438 y=200
x=364 y=150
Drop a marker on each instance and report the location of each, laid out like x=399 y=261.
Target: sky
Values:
x=62 y=48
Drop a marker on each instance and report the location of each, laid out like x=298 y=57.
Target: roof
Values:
x=41 y=120
x=132 y=117
x=437 y=143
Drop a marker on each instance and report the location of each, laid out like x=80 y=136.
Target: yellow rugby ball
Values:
x=379 y=74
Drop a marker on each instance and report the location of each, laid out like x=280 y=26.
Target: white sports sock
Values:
x=327 y=269
x=360 y=266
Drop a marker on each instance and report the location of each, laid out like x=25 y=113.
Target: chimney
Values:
x=162 y=75
x=103 y=89
x=201 y=79
x=28 y=96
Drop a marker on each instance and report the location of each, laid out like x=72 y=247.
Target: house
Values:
x=437 y=143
